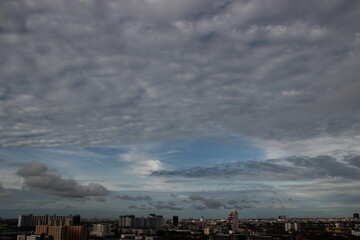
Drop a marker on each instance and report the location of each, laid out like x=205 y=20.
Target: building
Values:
x=151 y=222
x=58 y=232
x=33 y=220
x=101 y=230
x=126 y=221
x=77 y=233
x=154 y=222
x=75 y=220
x=292 y=226
x=33 y=237
x=41 y=229
x=356 y=215
x=233 y=220
x=175 y=221
x=62 y=230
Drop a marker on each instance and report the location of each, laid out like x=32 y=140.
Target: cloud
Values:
x=5 y=193
x=118 y=72
x=198 y=207
x=100 y=199
x=142 y=207
x=232 y=202
x=209 y=203
x=354 y=161
x=37 y=177
x=139 y=162
x=290 y=168
x=47 y=202
x=131 y=198
x=2 y=160
x=167 y=205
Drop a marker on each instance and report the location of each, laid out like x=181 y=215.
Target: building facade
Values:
x=233 y=219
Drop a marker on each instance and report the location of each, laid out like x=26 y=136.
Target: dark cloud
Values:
x=47 y=202
x=113 y=72
x=198 y=207
x=2 y=160
x=238 y=207
x=137 y=198
x=38 y=177
x=209 y=203
x=142 y=207
x=355 y=161
x=232 y=202
x=291 y=168
x=167 y=205
x=100 y=199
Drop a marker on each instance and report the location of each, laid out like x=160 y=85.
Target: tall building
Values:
x=151 y=222
x=175 y=221
x=33 y=237
x=356 y=215
x=76 y=219
x=62 y=230
x=77 y=233
x=233 y=219
x=126 y=221
x=58 y=232
x=33 y=220
x=101 y=230
x=154 y=222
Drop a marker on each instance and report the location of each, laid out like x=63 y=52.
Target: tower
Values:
x=175 y=221
x=233 y=219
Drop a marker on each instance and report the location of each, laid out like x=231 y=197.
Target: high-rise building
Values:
x=175 y=221
x=76 y=219
x=154 y=222
x=58 y=232
x=62 y=230
x=33 y=220
x=33 y=237
x=130 y=221
x=356 y=215
x=233 y=219
x=77 y=233
x=101 y=230
x=126 y=221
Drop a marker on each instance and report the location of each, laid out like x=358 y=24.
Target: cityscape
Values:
x=155 y=227
x=179 y=119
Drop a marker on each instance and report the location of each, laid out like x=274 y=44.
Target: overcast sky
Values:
x=186 y=108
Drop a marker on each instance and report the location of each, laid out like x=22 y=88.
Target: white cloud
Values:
x=140 y=163
x=335 y=146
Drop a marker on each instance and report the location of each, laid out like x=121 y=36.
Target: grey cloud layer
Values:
x=137 y=198
x=215 y=204
x=112 y=72
x=291 y=168
x=38 y=177
x=5 y=193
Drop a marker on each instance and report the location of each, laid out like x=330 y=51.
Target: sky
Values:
x=188 y=108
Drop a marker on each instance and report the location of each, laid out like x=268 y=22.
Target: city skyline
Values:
x=186 y=108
